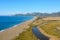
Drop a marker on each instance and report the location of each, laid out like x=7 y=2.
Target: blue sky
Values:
x=10 y=7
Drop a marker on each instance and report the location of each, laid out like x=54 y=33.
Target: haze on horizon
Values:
x=10 y=7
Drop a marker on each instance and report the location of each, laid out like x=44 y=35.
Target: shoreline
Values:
x=12 y=26
x=8 y=28
x=14 y=31
x=17 y=24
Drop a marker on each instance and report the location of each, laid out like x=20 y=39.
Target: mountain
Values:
x=55 y=14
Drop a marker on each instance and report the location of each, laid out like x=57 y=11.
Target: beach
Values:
x=11 y=33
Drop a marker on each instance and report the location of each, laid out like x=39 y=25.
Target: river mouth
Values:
x=38 y=34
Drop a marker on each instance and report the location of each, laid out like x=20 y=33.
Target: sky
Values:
x=11 y=7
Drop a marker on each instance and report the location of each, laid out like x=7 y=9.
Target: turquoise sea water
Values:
x=9 y=21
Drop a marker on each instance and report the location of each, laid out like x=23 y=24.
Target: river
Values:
x=38 y=34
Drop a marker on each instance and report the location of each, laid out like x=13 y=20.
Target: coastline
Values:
x=14 y=31
x=8 y=28
x=13 y=26
x=17 y=25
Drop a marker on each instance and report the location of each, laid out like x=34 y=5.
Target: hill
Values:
x=55 y=14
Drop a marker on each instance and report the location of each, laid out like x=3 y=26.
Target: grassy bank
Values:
x=26 y=35
x=52 y=28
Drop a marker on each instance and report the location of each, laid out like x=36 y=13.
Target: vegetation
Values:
x=27 y=35
x=52 y=28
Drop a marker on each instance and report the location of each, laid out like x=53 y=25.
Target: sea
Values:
x=10 y=21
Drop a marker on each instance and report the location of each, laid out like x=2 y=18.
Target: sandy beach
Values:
x=11 y=33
